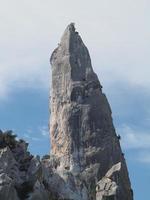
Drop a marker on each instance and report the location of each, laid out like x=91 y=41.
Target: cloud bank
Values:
x=134 y=139
x=137 y=142
x=116 y=33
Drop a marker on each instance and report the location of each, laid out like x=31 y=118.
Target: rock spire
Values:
x=83 y=137
x=86 y=161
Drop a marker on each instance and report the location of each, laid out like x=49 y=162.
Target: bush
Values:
x=7 y=138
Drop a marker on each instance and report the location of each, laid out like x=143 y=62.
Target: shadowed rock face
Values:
x=83 y=137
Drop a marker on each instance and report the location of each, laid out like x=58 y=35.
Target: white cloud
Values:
x=144 y=157
x=116 y=32
x=23 y=72
x=41 y=133
x=134 y=139
x=31 y=138
x=136 y=142
x=44 y=131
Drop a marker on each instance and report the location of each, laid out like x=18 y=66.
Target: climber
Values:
x=119 y=137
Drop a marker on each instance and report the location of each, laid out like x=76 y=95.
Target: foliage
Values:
x=7 y=138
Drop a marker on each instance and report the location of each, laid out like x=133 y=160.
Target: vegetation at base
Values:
x=9 y=139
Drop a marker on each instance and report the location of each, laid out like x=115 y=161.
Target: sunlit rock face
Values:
x=83 y=137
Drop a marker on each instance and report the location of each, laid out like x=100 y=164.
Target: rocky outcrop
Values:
x=7 y=188
x=86 y=161
x=83 y=137
x=27 y=177
x=20 y=172
x=106 y=187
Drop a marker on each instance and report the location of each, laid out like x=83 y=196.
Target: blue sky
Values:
x=117 y=34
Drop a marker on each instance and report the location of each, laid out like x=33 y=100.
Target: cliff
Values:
x=86 y=161
x=83 y=137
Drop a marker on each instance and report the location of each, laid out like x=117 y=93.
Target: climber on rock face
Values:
x=119 y=137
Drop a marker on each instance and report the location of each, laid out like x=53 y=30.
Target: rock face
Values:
x=106 y=187
x=86 y=161
x=83 y=137
x=25 y=177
